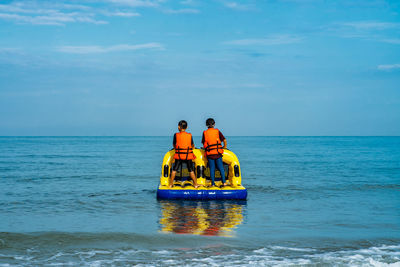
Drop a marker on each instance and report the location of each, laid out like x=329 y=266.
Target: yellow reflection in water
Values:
x=214 y=218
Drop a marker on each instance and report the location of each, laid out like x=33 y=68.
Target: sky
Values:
x=137 y=67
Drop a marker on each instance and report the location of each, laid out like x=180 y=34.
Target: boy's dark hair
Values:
x=182 y=124
x=210 y=122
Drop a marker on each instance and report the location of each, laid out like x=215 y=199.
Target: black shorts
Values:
x=178 y=163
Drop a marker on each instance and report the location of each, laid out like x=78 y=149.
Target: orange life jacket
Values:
x=183 y=146
x=212 y=144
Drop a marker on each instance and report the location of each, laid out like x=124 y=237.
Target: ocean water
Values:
x=91 y=201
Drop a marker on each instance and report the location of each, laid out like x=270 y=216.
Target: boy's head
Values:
x=182 y=125
x=210 y=122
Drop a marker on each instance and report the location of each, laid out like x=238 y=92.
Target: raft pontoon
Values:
x=183 y=185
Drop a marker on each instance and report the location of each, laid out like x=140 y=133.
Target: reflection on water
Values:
x=214 y=218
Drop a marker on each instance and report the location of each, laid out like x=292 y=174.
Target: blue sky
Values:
x=136 y=67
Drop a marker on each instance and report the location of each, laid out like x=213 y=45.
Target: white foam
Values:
x=92 y=253
x=293 y=249
x=61 y=264
x=163 y=252
x=59 y=254
x=25 y=258
x=262 y=251
x=382 y=264
x=382 y=256
x=130 y=252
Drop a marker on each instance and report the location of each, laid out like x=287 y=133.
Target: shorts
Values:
x=178 y=163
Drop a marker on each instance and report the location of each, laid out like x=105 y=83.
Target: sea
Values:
x=91 y=201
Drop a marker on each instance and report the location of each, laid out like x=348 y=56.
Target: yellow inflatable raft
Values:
x=183 y=186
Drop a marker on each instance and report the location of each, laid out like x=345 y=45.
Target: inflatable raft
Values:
x=183 y=185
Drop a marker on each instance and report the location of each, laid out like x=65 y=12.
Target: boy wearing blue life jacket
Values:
x=212 y=142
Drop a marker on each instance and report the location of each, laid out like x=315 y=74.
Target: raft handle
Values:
x=166 y=170
x=236 y=170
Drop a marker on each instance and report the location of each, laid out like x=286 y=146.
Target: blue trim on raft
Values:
x=201 y=194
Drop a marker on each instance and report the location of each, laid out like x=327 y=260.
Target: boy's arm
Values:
x=174 y=141
x=222 y=137
x=193 y=143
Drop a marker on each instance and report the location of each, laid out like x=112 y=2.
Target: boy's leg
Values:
x=171 y=179
x=211 y=164
x=194 y=179
x=175 y=167
x=221 y=169
x=189 y=165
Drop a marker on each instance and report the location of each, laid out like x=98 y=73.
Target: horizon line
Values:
x=5 y=136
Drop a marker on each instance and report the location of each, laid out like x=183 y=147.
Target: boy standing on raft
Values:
x=183 y=144
x=212 y=142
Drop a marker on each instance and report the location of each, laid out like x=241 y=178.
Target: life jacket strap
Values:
x=216 y=146
x=183 y=151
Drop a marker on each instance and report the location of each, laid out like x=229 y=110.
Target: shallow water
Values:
x=312 y=201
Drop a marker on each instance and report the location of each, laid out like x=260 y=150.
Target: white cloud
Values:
x=389 y=67
x=70 y=6
x=47 y=13
x=55 y=18
x=182 y=11
x=122 y=14
x=188 y=2
x=236 y=6
x=9 y=50
x=378 y=31
x=36 y=8
x=136 y=3
x=60 y=13
x=272 y=40
x=371 y=25
x=391 y=41
x=107 y=49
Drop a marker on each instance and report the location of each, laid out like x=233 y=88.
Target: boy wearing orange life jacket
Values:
x=183 y=144
x=212 y=143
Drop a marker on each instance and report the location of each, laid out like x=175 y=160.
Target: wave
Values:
x=384 y=255
x=99 y=249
